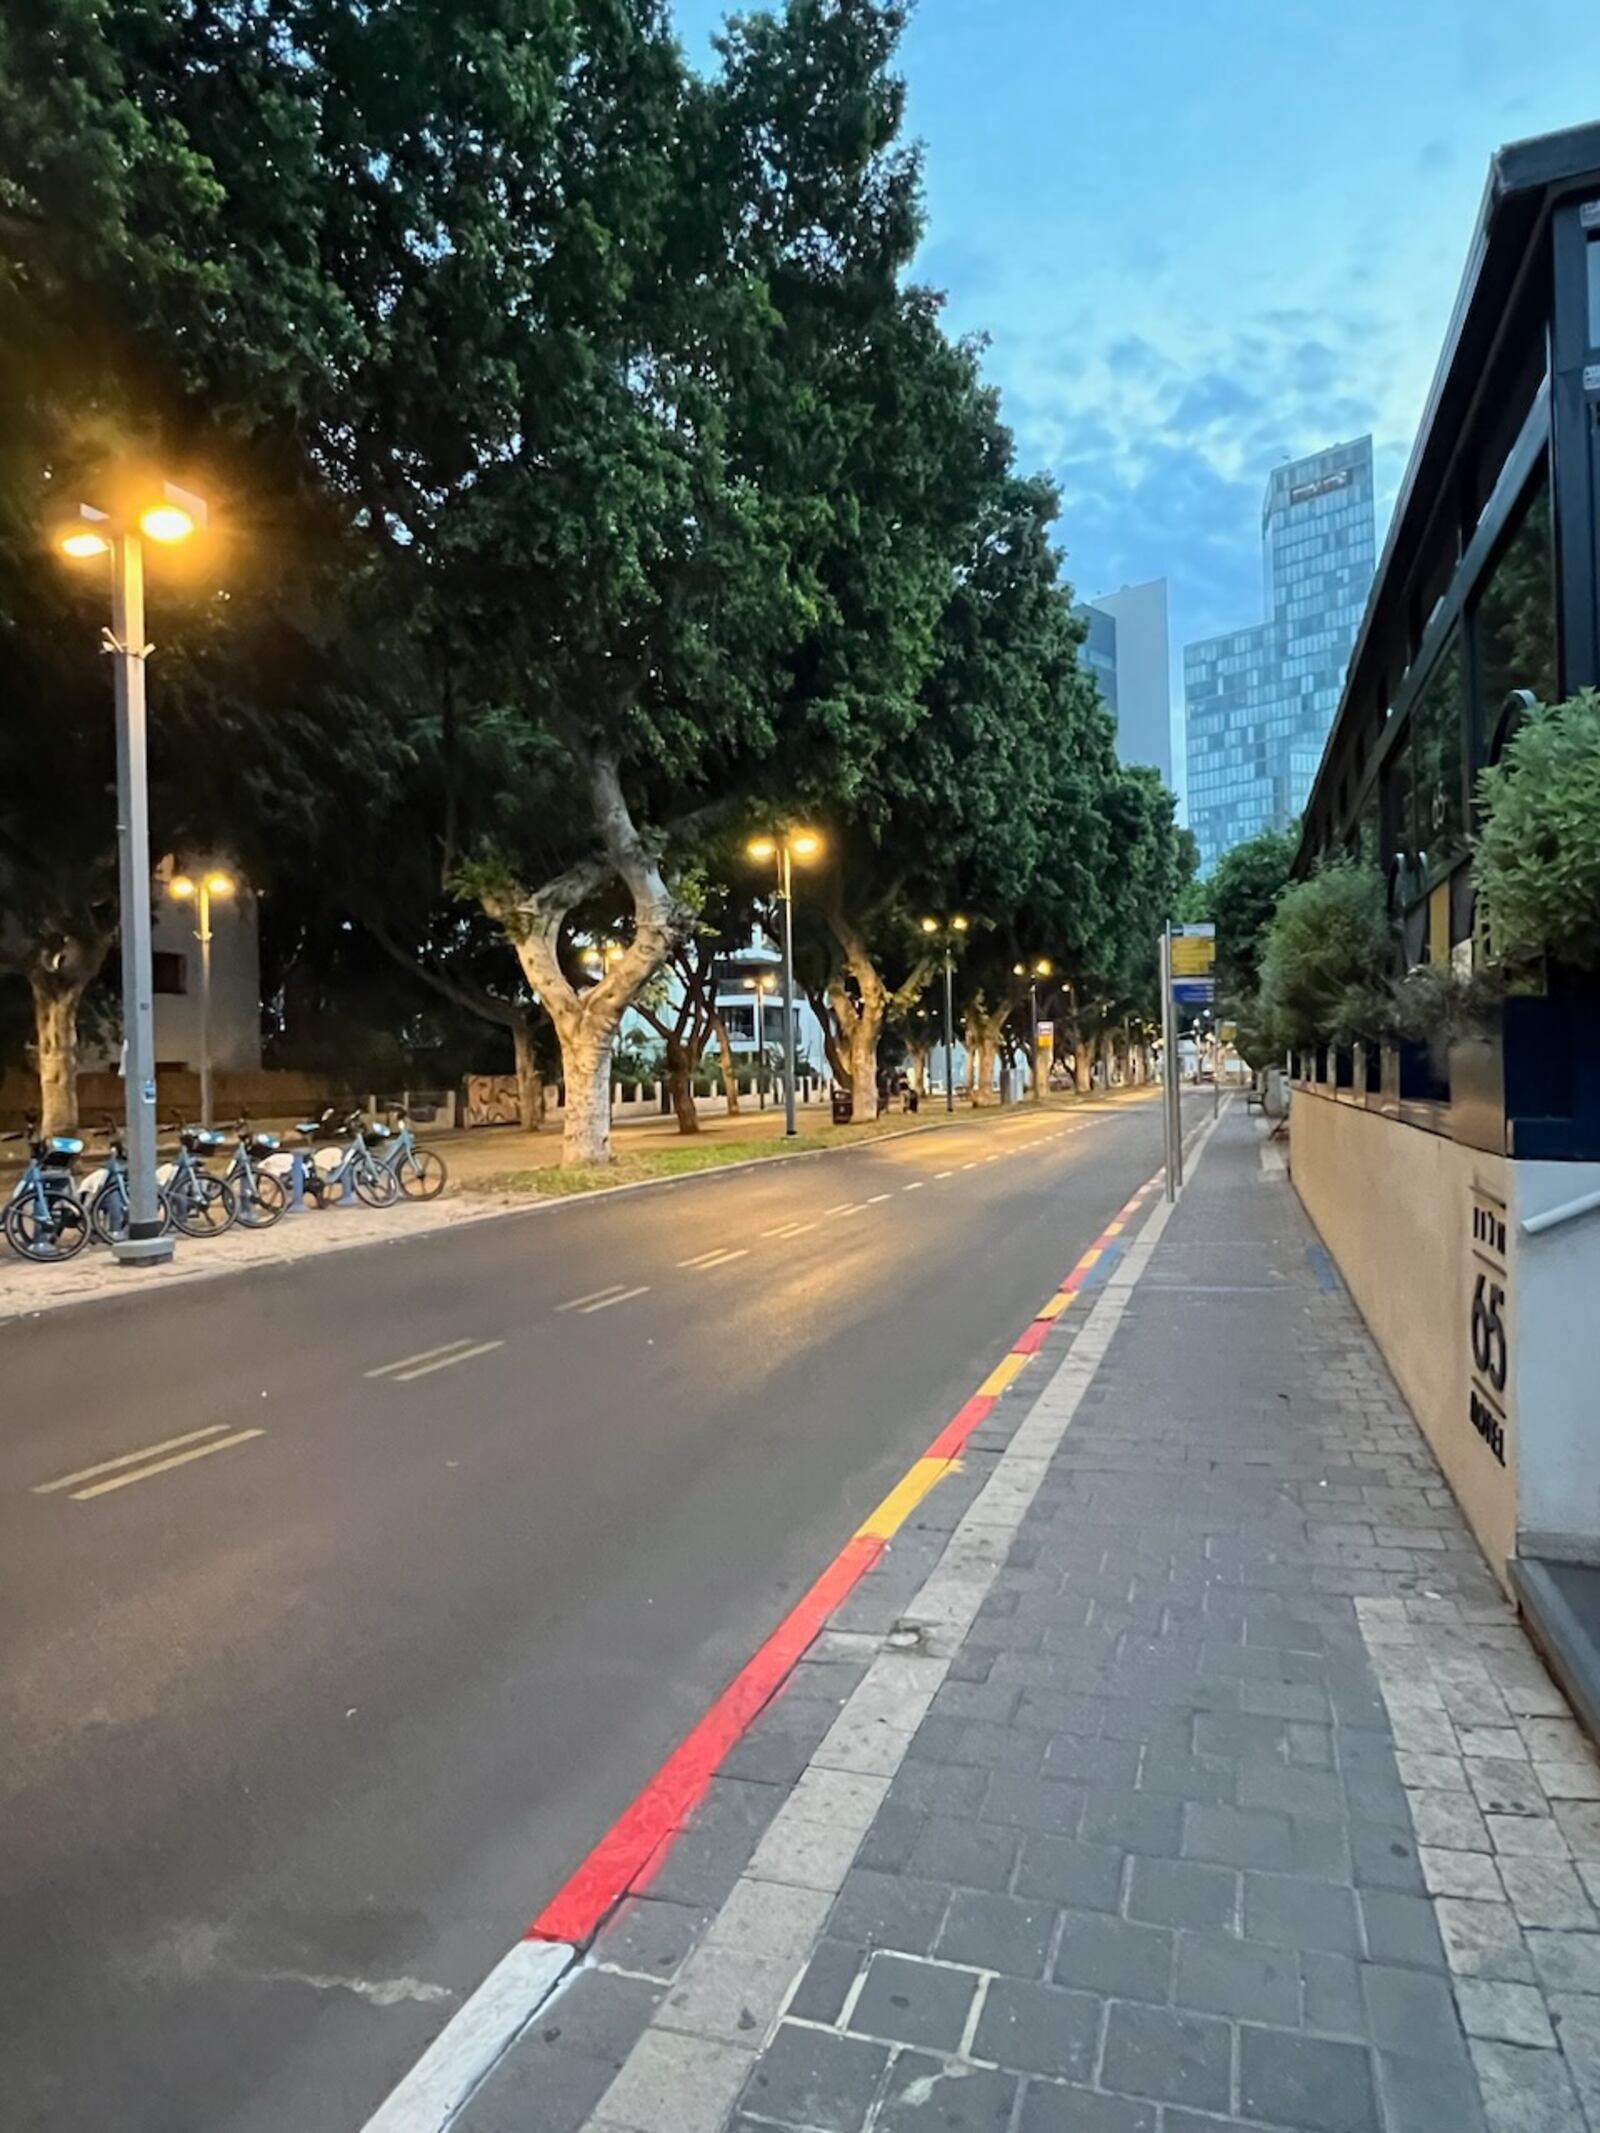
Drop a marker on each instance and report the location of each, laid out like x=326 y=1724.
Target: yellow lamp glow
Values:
x=761 y=848
x=805 y=844
x=220 y=884
x=167 y=522
x=181 y=887
x=82 y=545
x=958 y=925
x=1045 y=968
x=930 y=925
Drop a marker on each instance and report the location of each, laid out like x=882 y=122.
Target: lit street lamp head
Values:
x=958 y=924
x=181 y=887
x=220 y=884
x=762 y=847
x=166 y=523
x=81 y=546
x=930 y=925
x=805 y=844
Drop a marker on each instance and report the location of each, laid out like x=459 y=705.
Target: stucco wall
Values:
x=1394 y=1205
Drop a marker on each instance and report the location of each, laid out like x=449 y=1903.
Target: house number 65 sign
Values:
x=1491 y=1343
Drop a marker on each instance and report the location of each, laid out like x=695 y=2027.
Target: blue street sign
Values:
x=1194 y=992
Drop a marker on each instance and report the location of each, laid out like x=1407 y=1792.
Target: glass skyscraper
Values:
x=1259 y=702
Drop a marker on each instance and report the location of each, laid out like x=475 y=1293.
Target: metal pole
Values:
x=126 y=644
x=786 y=893
x=1033 y=996
x=205 y=1001
x=949 y=1038
x=1172 y=1096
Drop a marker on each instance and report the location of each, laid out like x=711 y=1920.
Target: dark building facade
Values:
x=1486 y=596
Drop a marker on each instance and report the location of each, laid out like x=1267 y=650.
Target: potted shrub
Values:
x=1537 y=871
x=1325 y=957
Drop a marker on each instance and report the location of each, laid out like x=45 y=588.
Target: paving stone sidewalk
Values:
x=1243 y=1802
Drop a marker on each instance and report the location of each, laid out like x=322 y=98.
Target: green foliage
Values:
x=1325 y=962
x=559 y=408
x=1241 y=895
x=1538 y=859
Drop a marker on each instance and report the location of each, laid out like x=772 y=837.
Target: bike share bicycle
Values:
x=45 y=1219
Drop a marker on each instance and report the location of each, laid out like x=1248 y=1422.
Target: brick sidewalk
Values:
x=1241 y=1802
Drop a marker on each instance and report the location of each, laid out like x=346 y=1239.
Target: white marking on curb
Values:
x=462 y=1355
x=474 y=2039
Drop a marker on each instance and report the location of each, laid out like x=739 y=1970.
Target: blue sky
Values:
x=1205 y=235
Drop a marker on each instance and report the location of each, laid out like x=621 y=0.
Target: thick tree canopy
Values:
x=590 y=482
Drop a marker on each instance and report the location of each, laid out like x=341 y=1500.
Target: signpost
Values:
x=1044 y=1044
x=1188 y=964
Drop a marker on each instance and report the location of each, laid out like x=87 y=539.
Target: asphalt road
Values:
x=304 y=1716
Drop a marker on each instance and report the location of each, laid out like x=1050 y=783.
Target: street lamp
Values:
x=794 y=844
x=947 y=931
x=1033 y=972
x=200 y=894
x=169 y=515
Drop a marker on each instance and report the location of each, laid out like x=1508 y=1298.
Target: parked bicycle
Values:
x=355 y=1168
x=105 y=1192
x=421 y=1172
x=202 y=1203
x=260 y=1190
x=44 y=1217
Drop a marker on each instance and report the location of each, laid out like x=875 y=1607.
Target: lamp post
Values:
x=168 y=516
x=947 y=931
x=794 y=844
x=200 y=893
x=761 y=985
x=1033 y=972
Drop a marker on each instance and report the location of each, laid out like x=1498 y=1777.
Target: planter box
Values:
x=1531 y=1087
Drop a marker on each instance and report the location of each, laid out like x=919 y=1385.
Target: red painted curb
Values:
x=627 y=1856
x=632 y=1851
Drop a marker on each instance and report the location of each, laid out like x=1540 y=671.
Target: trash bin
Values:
x=842 y=1107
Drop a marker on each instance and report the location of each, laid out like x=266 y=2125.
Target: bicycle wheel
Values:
x=108 y=1212
x=262 y=1199
x=375 y=1183
x=57 y=1229
x=202 y=1204
x=421 y=1174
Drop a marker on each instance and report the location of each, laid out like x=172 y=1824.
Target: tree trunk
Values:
x=1083 y=1068
x=530 y=1081
x=919 y=1070
x=985 y=1058
x=586 y=1022
x=730 y=1066
x=680 y=1080
x=864 y=1035
x=55 y=1029
x=586 y=1121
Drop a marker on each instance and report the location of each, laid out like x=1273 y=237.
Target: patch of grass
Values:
x=552 y=1180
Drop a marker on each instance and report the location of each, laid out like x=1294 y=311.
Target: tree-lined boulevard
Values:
x=590 y=489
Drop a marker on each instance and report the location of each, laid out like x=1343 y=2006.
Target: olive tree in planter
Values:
x=1537 y=870
x=1325 y=961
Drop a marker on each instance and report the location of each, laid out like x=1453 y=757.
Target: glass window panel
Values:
x=1438 y=809
x=1516 y=613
